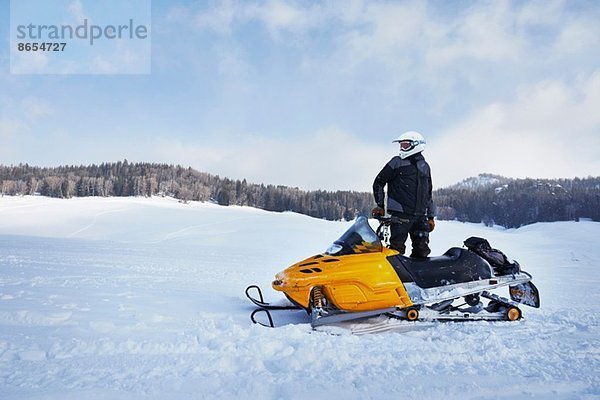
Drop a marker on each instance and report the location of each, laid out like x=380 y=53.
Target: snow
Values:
x=481 y=181
x=134 y=298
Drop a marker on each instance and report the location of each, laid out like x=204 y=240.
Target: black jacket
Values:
x=409 y=186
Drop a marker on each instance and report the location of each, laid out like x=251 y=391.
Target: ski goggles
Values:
x=407 y=145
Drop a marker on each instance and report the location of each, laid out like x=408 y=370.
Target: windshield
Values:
x=360 y=238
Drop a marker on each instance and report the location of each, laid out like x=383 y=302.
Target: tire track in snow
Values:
x=94 y=220
x=175 y=234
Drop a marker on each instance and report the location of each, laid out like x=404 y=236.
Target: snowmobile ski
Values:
x=260 y=302
x=258 y=321
x=374 y=325
x=322 y=317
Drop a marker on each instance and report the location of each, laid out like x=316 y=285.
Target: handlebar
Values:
x=387 y=219
x=383 y=228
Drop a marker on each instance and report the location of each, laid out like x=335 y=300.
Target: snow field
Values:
x=144 y=299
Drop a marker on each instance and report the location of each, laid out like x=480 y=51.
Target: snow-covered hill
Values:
x=130 y=298
x=481 y=181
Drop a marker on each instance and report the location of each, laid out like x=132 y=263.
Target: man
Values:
x=408 y=180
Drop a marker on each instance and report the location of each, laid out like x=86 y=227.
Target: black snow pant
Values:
x=414 y=225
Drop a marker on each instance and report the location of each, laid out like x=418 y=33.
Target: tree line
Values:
x=491 y=199
x=145 y=179
x=495 y=200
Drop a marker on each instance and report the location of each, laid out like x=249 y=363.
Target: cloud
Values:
x=386 y=30
x=329 y=159
x=10 y=127
x=578 y=36
x=123 y=58
x=484 y=34
x=219 y=19
x=480 y=47
x=548 y=130
x=280 y=15
x=28 y=62
x=75 y=10
x=17 y=115
x=231 y=62
x=17 y=118
x=35 y=107
x=224 y=17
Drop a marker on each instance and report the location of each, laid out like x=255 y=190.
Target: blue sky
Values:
x=311 y=94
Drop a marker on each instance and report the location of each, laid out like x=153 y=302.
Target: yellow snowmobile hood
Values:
x=353 y=282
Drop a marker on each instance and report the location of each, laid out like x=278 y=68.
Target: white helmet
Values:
x=411 y=142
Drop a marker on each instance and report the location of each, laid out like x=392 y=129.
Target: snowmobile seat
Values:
x=455 y=266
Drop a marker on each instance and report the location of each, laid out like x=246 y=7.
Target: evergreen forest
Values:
x=491 y=199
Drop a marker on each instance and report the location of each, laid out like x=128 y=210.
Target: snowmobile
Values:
x=359 y=277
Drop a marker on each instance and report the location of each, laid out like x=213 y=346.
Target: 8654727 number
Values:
x=44 y=46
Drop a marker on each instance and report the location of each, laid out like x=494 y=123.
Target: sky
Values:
x=311 y=94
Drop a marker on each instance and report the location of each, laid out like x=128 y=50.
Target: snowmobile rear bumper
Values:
x=422 y=296
x=525 y=293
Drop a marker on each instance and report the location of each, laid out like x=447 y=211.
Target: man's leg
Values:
x=419 y=236
x=399 y=233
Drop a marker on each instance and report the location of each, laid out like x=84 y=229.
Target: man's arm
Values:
x=430 y=205
x=381 y=180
